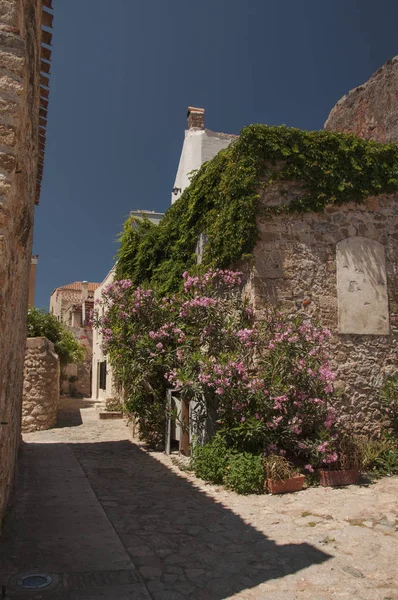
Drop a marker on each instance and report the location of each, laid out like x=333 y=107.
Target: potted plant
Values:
x=281 y=476
x=345 y=470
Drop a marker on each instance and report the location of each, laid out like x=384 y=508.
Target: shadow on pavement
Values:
x=183 y=543
x=69 y=411
x=181 y=539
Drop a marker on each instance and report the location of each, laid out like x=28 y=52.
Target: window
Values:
x=102 y=375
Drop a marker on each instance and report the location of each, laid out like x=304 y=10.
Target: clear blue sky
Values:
x=124 y=72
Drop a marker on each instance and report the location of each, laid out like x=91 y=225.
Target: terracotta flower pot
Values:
x=294 y=484
x=336 y=478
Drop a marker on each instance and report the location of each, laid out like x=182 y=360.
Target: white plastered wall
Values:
x=200 y=145
x=98 y=356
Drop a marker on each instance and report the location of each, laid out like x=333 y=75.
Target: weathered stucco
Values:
x=362 y=287
x=20 y=35
x=295 y=266
x=40 y=386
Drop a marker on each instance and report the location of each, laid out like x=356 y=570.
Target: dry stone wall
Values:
x=40 y=386
x=295 y=266
x=20 y=35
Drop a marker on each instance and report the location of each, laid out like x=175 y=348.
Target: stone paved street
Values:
x=112 y=521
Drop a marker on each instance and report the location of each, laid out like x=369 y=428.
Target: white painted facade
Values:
x=200 y=145
x=109 y=390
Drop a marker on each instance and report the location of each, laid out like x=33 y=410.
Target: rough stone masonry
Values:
x=20 y=66
x=40 y=385
x=340 y=266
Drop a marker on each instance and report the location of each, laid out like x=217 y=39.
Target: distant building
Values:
x=72 y=305
x=151 y=215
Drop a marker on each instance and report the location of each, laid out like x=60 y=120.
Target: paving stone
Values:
x=150 y=572
x=192 y=540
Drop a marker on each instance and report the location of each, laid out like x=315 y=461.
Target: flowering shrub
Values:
x=269 y=381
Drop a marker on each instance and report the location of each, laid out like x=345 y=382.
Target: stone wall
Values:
x=295 y=266
x=40 y=386
x=20 y=35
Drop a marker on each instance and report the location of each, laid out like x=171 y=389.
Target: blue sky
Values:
x=123 y=74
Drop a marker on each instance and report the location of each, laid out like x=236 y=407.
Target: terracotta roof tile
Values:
x=76 y=286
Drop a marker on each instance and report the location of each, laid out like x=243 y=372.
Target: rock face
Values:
x=370 y=111
x=40 y=386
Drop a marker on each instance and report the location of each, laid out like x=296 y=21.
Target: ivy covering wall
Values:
x=223 y=199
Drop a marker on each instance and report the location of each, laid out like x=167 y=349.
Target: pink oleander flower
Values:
x=309 y=468
x=331 y=458
x=322 y=447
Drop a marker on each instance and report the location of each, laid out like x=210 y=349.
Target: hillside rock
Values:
x=370 y=111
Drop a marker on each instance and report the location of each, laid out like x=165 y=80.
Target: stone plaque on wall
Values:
x=362 y=287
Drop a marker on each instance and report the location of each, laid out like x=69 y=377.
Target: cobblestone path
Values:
x=112 y=521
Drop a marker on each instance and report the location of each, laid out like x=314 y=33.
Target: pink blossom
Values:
x=322 y=447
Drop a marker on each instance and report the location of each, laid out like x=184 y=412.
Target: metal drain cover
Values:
x=34 y=581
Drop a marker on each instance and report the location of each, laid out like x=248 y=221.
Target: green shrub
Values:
x=44 y=324
x=222 y=200
x=380 y=457
x=113 y=405
x=245 y=473
x=209 y=462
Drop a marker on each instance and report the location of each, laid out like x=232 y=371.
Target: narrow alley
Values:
x=105 y=519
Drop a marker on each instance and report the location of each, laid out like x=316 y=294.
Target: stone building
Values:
x=338 y=267
x=25 y=52
x=341 y=266
x=72 y=304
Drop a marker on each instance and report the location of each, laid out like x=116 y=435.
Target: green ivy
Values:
x=223 y=200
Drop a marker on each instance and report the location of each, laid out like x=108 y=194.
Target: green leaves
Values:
x=222 y=200
x=44 y=324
